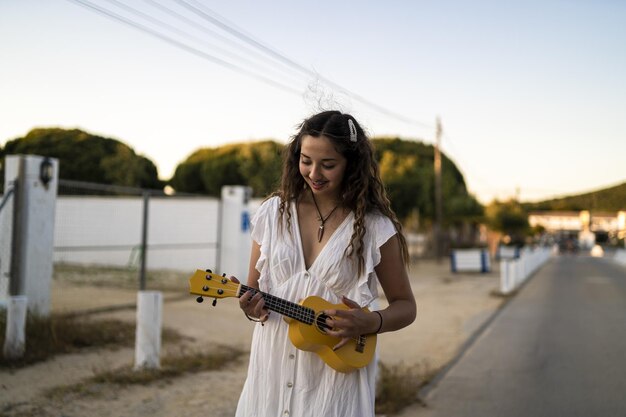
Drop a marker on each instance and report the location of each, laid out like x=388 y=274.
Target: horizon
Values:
x=555 y=197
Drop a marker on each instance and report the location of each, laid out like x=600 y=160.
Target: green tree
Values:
x=406 y=168
x=87 y=157
x=207 y=170
x=510 y=218
x=407 y=171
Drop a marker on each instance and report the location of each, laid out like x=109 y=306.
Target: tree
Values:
x=406 y=168
x=510 y=218
x=207 y=170
x=87 y=157
x=407 y=171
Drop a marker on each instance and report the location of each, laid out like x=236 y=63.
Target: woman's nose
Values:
x=315 y=172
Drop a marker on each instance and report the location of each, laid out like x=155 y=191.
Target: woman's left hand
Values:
x=350 y=324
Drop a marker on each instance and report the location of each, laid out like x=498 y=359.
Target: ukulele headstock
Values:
x=208 y=284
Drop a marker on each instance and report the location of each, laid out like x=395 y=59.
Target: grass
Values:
x=172 y=366
x=399 y=385
x=58 y=334
x=127 y=278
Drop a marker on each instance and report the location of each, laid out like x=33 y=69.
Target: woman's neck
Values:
x=325 y=203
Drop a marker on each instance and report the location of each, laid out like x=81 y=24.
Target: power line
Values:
x=195 y=51
x=209 y=15
x=167 y=26
x=208 y=31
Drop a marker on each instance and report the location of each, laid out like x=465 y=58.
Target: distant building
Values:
x=583 y=225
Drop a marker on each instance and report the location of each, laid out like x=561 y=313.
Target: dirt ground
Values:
x=450 y=308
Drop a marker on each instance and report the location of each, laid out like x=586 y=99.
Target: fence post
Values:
x=15 y=335
x=148 y=330
x=35 y=180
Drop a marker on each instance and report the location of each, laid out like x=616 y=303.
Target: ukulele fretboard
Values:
x=286 y=308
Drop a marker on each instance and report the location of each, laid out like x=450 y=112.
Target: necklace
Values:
x=322 y=219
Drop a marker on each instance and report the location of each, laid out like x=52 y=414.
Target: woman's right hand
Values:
x=253 y=305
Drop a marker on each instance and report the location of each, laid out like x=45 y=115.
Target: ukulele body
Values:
x=355 y=354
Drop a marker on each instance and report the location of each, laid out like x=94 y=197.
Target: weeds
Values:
x=60 y=334
x=171 y=367
x=398 y=386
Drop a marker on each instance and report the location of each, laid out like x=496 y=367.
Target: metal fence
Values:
x=134 y=228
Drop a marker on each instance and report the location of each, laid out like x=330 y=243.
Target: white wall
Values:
x=182 y=232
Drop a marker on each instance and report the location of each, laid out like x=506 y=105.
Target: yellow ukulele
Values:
x=307 y=322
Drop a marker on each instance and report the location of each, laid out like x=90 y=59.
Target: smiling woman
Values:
x=327 y=232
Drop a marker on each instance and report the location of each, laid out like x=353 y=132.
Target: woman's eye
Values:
x=328 y=166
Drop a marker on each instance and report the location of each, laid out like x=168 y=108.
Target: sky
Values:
x=531 y=95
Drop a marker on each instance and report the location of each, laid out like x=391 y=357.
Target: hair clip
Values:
x=352 y=130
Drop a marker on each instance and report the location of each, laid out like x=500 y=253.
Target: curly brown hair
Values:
x=362 y=189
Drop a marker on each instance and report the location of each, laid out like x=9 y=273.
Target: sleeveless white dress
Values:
x=282 y=380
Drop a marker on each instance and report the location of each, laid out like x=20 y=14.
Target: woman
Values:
x=328 y=231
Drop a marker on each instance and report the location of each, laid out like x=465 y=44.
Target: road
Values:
x=558 y=348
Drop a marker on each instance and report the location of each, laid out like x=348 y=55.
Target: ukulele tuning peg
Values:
x=199 y=299
x=224 y=274
x=214 y=303
x=208 y=270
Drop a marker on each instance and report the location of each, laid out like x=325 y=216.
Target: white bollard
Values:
x=503 y=276
x=508 y=278
x=148 y=332
x=15 y=336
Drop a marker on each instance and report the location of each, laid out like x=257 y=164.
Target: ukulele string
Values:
x=287 y=307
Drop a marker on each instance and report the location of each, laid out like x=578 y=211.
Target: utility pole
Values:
x=438 y=197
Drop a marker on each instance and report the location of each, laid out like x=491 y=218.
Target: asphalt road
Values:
x=558 y=348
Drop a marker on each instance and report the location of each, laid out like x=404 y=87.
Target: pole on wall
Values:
x=438 y=193
x=144 y=242
x=17 y=275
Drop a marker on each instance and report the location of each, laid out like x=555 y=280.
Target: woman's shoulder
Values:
x=271 y=201
x=380 y=225
x=375 y=216
x=270 y=206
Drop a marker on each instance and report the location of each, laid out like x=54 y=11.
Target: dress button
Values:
x=289 y=384
x=306 y=274
x=291 y=356
x=286 y=412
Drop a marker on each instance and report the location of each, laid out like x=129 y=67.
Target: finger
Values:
x=341 y=343
x=233 y=279
x=350 y=303
x=245 y=299
x=259 y=308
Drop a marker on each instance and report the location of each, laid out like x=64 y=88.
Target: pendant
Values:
x=320 y=233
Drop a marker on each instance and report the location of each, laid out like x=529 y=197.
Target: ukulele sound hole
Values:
x=320 y=322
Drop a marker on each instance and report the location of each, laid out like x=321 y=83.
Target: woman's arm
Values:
x=253 y=306
x=393 y=277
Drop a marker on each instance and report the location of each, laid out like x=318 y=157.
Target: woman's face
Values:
x=321 y=166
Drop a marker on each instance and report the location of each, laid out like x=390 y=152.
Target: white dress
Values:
x=282 y=380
